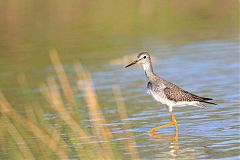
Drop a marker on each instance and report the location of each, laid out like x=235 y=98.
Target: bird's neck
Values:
x=148 y=70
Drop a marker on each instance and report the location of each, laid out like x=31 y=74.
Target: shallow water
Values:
x=204 y=133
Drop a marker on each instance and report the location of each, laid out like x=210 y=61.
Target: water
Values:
x=194 y=45
x=211 y=133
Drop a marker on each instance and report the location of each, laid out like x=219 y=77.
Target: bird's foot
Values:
x=157 y=128
x=153 y=130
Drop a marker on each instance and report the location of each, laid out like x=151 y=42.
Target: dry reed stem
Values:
x=44 y=138
x=93 y=106
x=96 y=116
x=123 y=115
x=64 y=82
x=62 y=77
x=48 y=94
x=54 y=98
x=19 y=141
x=4 y=104
x=58 y=105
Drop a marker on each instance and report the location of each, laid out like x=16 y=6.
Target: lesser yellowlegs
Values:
x=166 y=92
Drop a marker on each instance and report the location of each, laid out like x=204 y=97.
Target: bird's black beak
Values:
x=134 y=62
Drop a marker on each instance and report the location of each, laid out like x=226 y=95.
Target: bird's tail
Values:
x=203 y=104
x=204 y=101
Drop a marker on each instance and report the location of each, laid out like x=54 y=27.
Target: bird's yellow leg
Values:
x=174 y=122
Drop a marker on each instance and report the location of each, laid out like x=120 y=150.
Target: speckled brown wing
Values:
x=177 y=94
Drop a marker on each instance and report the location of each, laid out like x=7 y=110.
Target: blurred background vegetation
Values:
x=102 y=30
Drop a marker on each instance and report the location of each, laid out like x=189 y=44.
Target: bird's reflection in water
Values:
x=173 y=150
x=173 y=145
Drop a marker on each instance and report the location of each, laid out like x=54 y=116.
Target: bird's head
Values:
x=143 y=58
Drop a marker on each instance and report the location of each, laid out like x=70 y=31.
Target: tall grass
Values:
x=28 y=136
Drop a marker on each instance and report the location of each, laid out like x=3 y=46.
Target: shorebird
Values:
x=166 y=92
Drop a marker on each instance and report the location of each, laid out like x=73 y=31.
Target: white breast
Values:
x=160 y=97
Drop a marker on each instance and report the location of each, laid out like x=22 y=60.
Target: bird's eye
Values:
x=144 y=57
